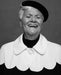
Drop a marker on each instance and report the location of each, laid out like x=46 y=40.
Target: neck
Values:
x=31 y=37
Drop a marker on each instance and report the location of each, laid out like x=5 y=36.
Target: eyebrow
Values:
x=29 y=14
x=35 y=15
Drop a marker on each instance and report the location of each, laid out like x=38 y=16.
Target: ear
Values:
x=21 y=12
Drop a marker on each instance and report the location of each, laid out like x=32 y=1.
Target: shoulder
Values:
x=54 y=45
x=5 y=51
x=49 y=44
x=7 y=45
x=7 y=48
x=11 y=44
x=54 y=48
x=55 y=51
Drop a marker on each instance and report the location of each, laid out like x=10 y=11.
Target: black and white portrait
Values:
x=30 y=37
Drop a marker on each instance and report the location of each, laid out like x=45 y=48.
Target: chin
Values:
x=33 y=33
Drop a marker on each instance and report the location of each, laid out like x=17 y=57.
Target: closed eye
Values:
x=38 y=17
x=28 y=16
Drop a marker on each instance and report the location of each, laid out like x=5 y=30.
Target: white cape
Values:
x=44 y=55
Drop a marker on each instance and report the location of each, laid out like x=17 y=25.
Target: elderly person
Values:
x=31 y=49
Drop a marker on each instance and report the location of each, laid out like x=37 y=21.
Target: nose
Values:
x=33 y=19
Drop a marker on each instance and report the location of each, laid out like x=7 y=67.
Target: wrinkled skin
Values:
x=31 y=22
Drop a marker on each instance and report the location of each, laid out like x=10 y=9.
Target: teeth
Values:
x=32 y=26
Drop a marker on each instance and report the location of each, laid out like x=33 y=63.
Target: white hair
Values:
x=21 y=12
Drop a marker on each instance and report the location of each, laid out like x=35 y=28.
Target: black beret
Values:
x=38 y=6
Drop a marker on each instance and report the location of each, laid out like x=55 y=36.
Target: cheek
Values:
x=25 y=21
x=40 y=21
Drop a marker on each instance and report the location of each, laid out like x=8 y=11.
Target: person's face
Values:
x=32 y=20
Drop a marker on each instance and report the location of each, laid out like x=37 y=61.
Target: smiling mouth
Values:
x=35 y=26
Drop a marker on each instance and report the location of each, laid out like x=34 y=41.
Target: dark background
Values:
x=9 y=21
